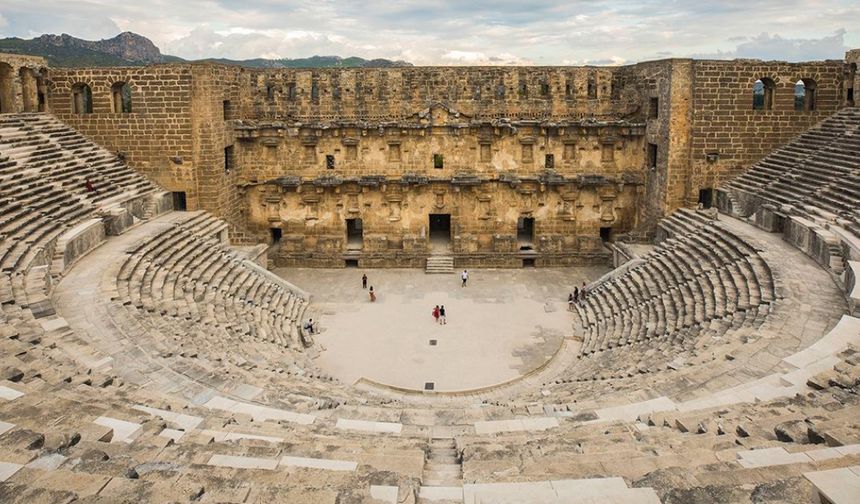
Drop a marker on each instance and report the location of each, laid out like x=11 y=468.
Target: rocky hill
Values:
x=131 y=49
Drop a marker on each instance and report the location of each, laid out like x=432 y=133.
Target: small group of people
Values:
x=576 y=296
x=439 y=315
x=364 y=286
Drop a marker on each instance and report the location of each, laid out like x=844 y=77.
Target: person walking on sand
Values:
x=465 y=277
x=372 y=295
x=436 y=313
x=442 y=319
x=364 y=281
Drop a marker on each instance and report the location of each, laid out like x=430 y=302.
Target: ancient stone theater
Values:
x=626 y=284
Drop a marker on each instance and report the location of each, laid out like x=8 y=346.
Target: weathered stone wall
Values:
x=155 y=137
x=23 y=83
x=727 y=135
x=392 y=93
x=484 y=217
x=491 y=173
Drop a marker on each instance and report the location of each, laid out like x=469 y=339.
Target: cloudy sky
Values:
x=428 y=32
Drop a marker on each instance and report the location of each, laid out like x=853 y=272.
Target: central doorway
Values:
x=525 y=233
x=354 y=234
x=440 y=232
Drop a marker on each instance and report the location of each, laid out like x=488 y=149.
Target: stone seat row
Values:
x=820 y=168
x=690 y=279
x=184 y=273
x=66 y=157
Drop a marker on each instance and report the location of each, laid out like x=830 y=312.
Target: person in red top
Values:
x=436 y=313
x=90 y=187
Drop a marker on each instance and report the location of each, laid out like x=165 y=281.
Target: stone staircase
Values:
x=439 y=264
x=442 y=481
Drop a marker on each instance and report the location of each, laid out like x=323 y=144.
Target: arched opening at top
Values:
x=120 y=94
x=763 y=94
x=7 y=88
x=591 y=91
x=804 y=95
x=82 y=99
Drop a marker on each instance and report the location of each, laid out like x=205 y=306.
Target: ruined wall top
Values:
x=21 y=60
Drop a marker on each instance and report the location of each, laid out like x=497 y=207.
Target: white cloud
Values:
x=455 y=32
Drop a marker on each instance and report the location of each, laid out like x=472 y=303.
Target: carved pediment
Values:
x=440 y=114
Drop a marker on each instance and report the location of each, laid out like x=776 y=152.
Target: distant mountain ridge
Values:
x=131 y=49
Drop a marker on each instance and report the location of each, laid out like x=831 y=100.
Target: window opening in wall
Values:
x=438 y=161
x=276 y=234
x=549 y=161
x=523 y=90
x=592 y=89
x=528 y=263
x=763 y=94
x=335 y=93
x=476 y=93
x=228 y=159
x=568 y=89
x=804 y=95
x=82 y=99
x=653 y=108
x=525 y=233
x=544 y=89
x=329 y=161
x=315 y=91
x=291 y=91
x=706 y=197
x=179 y=201
x=270 y=91
x=606 y=234
x=228 y=110
x=350 y=263
x=351 y=152
x=7 y=89
x=652 y=156
x=354 y=234
x=120 y=93
x=849 y=96
x=500 y=91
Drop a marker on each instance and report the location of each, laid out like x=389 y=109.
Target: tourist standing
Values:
x=582 y=291
x=89 y=185
x=364 y=281
x=442 y=319
x=570 y=301
x=436 y=313
x=309 y=326
x=576 y=294
x=372 y=295
x=465 y=278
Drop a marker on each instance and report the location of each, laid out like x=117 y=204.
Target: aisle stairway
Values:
x=440 y=264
